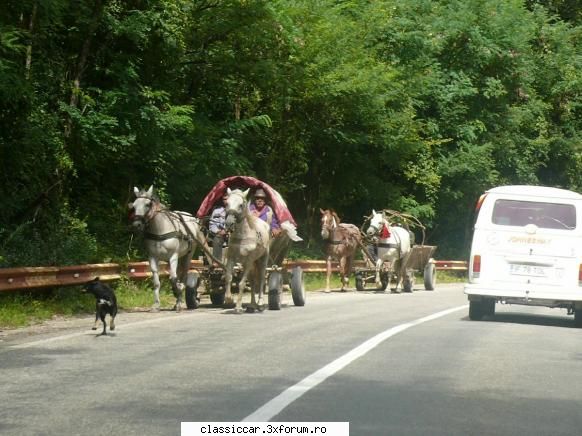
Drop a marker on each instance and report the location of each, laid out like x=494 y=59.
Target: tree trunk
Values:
x=28 y=63
x=82 y=62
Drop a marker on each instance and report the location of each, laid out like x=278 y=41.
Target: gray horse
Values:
x=248 y=245
x=171 y=236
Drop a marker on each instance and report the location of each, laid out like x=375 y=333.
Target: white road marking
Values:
x=277 y=404
x=90 y=333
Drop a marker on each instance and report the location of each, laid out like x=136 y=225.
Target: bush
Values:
x=62 y=239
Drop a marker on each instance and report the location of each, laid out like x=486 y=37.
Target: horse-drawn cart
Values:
x=277 y=275
x=395 y=258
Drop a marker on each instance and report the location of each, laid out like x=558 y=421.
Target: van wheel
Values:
x=578 y=318
x=476 y=310
x=489 y=307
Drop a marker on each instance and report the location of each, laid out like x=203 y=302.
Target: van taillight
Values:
x=477 y=266
x=480 y=203
x=580 y=275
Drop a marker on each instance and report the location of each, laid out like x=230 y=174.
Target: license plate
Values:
x=528 y=270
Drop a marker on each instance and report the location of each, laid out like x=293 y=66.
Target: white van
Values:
x=527 y=249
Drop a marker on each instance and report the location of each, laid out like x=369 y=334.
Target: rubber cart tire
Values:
x=192 y=283
x=429 y=276
x=275 y=289
x=360 y=283
x=297 y=286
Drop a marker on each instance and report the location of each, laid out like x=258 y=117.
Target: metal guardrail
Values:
x=44 y=277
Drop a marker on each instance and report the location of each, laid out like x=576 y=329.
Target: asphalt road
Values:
x=408 y=364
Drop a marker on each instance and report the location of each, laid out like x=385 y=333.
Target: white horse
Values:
x=171 y=236
x=393 y=245
x=248 y=245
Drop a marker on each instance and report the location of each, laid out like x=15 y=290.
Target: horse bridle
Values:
x=238 y=217
x=145 y=219
x=151 y=213
x=330 y=231
x=377 y=231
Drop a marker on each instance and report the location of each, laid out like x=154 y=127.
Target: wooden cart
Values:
x=418 y=260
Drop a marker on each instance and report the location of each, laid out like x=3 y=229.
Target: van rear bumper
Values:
x=534 y=296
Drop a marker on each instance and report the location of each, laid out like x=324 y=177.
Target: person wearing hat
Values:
x=262 y=210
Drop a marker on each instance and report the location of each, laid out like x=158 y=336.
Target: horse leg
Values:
x=348 y=271
x=261 y=278
x=156 y=282
x=253 y=282
x=177 y=287
x=397 y=268
x=343 y=272
x=182 y=272
x=379 y=263
x=241 y=287
x=328 y=274
x=228 y=282
x=253 y=278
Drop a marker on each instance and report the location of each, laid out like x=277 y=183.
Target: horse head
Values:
x=143 y=208
x=329 y=221
x=235 y=207
x=377 y=223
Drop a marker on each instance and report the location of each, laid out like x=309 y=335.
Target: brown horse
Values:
x=341 y=242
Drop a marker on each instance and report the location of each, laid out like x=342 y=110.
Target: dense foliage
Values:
x=413 y=105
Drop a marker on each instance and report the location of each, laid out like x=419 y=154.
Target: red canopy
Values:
x=244 y=182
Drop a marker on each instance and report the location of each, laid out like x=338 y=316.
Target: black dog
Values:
x=106 y=303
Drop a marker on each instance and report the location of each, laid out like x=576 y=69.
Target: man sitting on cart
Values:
x=217 y=229
x=262 y=210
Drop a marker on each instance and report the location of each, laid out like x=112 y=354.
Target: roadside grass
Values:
x=20 y=309
x=316 y=281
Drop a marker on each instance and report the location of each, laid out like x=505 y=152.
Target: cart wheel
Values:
x=360 y=282
x=429 y=276
x=192 y=283
x=297 y=286
x=275 y=289
x=217 y=298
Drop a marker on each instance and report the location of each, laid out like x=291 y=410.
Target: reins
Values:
x=177 y=233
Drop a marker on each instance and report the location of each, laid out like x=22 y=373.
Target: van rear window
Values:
x=544 y=215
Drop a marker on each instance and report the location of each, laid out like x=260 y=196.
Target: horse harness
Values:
x=331 y=241
x=189 y=237
x=378 y=244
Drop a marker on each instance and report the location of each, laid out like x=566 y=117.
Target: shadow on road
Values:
x=529 y=319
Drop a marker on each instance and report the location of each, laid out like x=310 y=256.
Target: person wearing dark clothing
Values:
x=217 y=228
